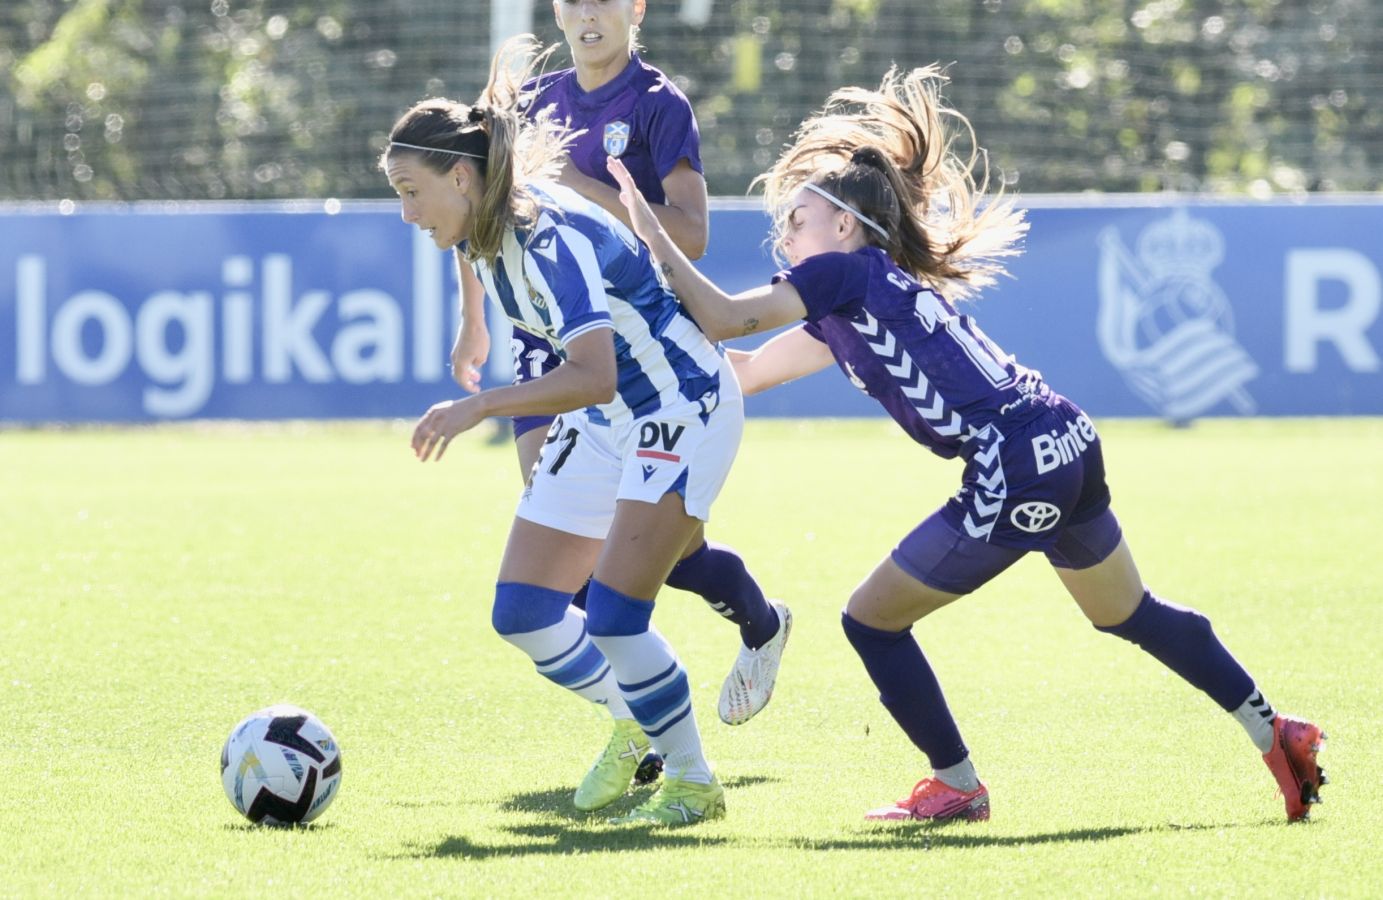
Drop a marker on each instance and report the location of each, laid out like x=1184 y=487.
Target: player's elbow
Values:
x=720 y=328
x=693 y=237
x=749 y=384
x=695 y=246
x=606 y=393
x=600 y=384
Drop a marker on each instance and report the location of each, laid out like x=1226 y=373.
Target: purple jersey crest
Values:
x=639 y=116
x=616 y=138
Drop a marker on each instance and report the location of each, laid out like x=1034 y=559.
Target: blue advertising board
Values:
x=1133 y=306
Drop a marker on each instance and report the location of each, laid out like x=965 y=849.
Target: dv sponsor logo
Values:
x=657 y=441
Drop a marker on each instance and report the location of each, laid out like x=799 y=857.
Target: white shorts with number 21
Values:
x=585 y=468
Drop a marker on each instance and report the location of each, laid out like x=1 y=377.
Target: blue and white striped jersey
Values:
x=577 y=269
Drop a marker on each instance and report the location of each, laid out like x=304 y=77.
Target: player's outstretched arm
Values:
x=785 y=357
x=719 y=314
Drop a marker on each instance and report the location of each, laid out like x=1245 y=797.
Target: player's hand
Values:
x=468 y=354
x=640 y=213
x=443 y=422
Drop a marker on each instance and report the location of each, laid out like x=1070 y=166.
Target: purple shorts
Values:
x=533 y=358
x=1038 y=486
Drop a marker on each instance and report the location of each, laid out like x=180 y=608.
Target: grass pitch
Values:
x=160 y=583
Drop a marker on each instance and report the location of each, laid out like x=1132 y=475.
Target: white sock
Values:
x=564 y=654
x=961 y=776
x=654 y=685
x=1256 y=715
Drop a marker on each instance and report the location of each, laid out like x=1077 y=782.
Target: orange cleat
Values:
x=935 y=801
x=1293 y=763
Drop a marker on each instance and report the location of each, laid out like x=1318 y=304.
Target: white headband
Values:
x=848 y=208
x=435 y=149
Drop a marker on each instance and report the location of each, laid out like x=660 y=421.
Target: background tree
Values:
x=246 y=99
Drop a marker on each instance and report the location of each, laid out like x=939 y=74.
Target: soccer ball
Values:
x=281 y=766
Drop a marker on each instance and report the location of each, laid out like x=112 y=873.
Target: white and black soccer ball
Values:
x=281 y=766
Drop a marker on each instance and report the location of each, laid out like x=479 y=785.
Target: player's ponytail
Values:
x=506 y=150
x=495 y=211
x=520 y=150
x=887 y=153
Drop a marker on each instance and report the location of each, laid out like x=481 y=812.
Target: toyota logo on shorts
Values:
x=1034 y=516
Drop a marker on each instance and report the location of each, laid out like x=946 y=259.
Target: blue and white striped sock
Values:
x=543 y=624
x=651 y=679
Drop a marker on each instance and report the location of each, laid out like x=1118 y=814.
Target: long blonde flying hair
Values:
x=890 y=153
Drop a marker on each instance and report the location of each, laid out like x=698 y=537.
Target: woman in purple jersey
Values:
x=881 y=222
x=620 y=106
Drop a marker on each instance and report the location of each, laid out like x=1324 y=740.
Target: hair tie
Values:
x=868 y=156
x=476 y=115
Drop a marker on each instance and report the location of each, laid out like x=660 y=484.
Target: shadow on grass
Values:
x=562 y=840
x=557 y=802
x=260 y=827
x=965 y=835
x=577 y=832
x=567 y=840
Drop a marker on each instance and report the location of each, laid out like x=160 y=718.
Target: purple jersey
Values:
x=1033 y=461
x=932 y=368
x=639 y=116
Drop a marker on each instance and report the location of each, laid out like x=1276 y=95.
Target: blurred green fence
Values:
x=152 y=99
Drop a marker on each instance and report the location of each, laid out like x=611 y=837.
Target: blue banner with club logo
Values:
x=1132 y=306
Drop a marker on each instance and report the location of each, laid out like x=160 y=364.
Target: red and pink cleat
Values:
x=934 y=801
x=1293 y=763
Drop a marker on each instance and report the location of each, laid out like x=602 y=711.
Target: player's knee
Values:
x=1154 y=622
x=865 y=638
x=521 y=608
x=610 y=613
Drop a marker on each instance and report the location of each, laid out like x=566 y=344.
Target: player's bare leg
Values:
x=644 y=542
x=529 y=446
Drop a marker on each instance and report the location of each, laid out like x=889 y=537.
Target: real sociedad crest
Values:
x=616 y=137
x=1165 y=324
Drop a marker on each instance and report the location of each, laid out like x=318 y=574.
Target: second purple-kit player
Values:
x=878 y=218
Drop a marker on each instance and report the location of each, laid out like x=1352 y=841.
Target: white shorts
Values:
x=586 y=468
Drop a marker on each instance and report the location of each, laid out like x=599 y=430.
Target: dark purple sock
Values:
x=1183 y=641
x=909 y=690
x=717 y=573
x=579 y=601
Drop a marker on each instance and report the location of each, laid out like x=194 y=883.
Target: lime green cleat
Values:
x=615 y=767
x=677 y=803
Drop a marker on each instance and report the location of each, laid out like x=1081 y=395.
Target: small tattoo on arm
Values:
x=751 y=325
x=667 y=270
